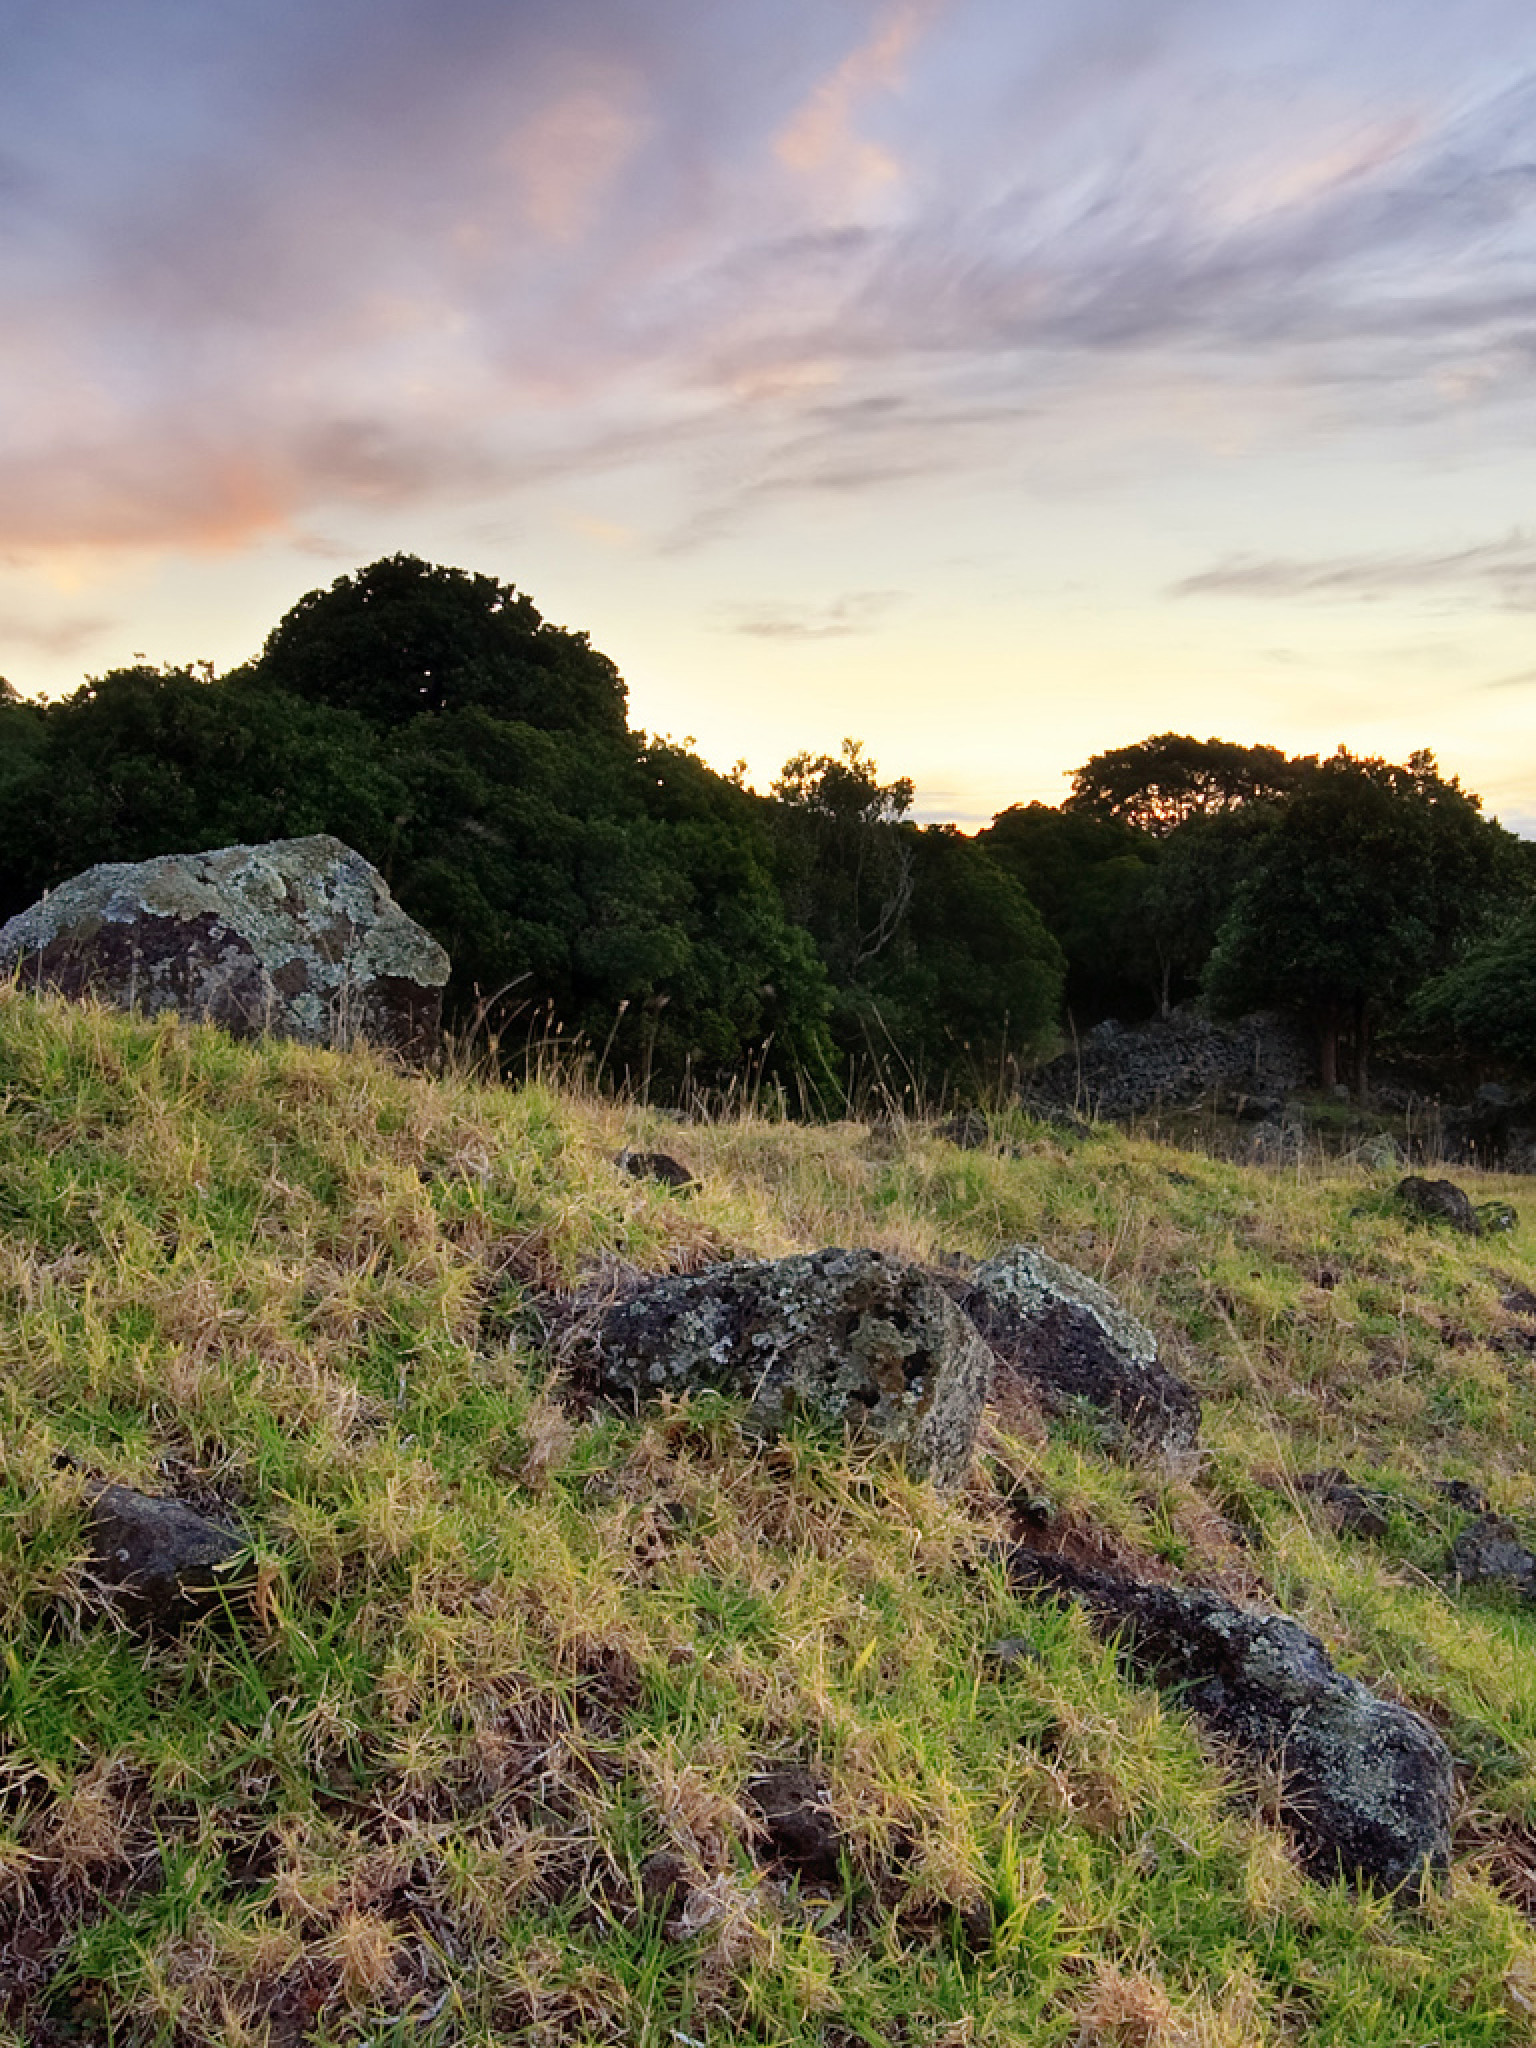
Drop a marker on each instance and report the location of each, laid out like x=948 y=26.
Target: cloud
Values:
x=269 y=264
x=1502 y=572
x=57 y=637
x=567 y=157
x=858 y=611
x=822 y=140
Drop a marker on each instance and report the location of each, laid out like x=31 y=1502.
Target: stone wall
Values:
x=1121 y=1070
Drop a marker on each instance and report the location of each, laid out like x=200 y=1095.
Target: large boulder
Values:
x=300 y=937
x=1366 y=1784
x=1079 y=1351
x=847 y=1337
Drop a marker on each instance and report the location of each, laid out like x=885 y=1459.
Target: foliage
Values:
x=847 y=866
x=1089 y=878
x=512 y=1648
x=1162 y=782
x=142 y=761
x=1191 y=890
x=1371 y=878
x=403 y=636
x=971 y=987
x=1486 y=1004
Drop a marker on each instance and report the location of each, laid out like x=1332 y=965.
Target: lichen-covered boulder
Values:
x=849 y=1337
x=1366 y=1784
x=300 y=937
x=1078 y=1350
x=160 y=1563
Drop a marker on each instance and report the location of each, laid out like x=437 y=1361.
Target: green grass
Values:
x=509 y=1648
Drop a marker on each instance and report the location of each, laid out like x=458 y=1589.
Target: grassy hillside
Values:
x=476 y=1768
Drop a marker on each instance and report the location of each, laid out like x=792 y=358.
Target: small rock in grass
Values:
x=1355 y=1510
x=657 y=1166
x=664 y=1882
x=1461 y=1493
x=1073 y=1345
x=1488 y=1552
x=161 y=1564
x=846 y=1337
x=800 y=1829
x=1437 y=1201
x=1366 y=1784
x=1009 y=1650
x=969 y=1131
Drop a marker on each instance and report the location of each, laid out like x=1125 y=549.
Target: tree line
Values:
x=596 y=881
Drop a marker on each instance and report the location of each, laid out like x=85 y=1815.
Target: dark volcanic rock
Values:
x=800 y=1830
x=657 y=1166
x=969 y=1131
x=1461 y=1493
x=1437 y=1201
x=1356 y=1510
x=1366 y=1784
x=1489 y=1552
x=850 y=1337
x=1075 y=1346
x=300 y=937
x=162 y=1565
x=1121 y=1070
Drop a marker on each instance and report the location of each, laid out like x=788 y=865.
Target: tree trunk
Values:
x=1328 y=1046
x=1362 y=1073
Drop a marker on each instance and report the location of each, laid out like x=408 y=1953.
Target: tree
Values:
x=402 y=637
x=1486 y=1004
x=972 y=983
x=847 y=870
x=142 y=761
x=1369 y=880
x=1191 y=889
x=1160 y=783
x=1088 y=878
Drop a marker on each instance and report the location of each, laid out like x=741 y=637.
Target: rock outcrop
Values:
x=1366 y=1784
x=847 y=1337
x=300 y=937
x=1079 y=1351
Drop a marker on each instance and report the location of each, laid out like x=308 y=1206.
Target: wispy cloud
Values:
x=858 y=611
x=823 y=140
x=271 y=262
x=1501 y=572
x=60 y=637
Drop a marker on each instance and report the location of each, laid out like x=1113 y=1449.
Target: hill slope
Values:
x=485 y=1759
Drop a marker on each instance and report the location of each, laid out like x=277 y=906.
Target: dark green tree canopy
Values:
x=403 y=637
x=1486 y=1004
x=1160 y=783
x=1373 y=877
x=846 y=864
x=1088 y=877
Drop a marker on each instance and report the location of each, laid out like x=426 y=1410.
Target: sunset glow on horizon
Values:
x=995 y=384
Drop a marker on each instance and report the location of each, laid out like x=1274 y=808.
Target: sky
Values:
x=992 y=381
